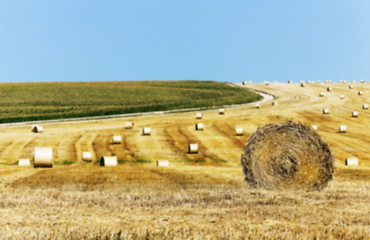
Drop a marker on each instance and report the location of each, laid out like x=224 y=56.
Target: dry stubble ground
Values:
x=201 y=196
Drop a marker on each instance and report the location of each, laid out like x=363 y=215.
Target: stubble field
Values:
x=200 y=196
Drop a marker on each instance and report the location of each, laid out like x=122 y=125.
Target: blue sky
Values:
x=259 y=40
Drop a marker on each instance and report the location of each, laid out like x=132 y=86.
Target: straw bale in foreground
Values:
x=287 y=156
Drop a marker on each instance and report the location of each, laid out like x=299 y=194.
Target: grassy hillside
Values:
x=41 y=101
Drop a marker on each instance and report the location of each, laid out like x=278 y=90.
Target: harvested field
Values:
x=199 y=196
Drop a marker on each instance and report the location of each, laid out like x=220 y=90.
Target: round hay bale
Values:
x=239 y=131
x=274 y=103
x=87 y=156
x=303 y=85
x=354 y=114
x=365 y=106
x=199 y=116
x=117 y=139
x=318 y=81
x=129 y=125
x=360 y=93
x=24 y=162
x=221 y=111
x=258 y=105
x=351 y=162
x=325 y=111
x=314 y=127
x=244 y=82
x=37 y=129
x=199 y=126
x=289 y=81
x=341 y=97
x=329 y=89
x=193 y=148
x=342 y=129
x=108 y=161
x=362 y=81
x=350 y=86
x=43 y=157
x=147 y=131
x=321 y=94
x=162 y=163
x=287 y=156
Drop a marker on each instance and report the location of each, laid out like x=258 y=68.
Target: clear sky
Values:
x=234 y=40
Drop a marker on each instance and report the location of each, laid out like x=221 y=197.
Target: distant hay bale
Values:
x=24 y=162
x=341 y=97
x=289 y=81
x=162 y=163
x=342 y=129
x=239 y=131
x=43 y=157
x=199 y=116
x=326 y=81
x=354 y=114
x=221 y=111
x=287 y=156
x=37 y=129
x=341 y=81
x=350 y=86
x=266 y=83
x=344 y=81
x=108 y=161
x=360 y=93
x=129 y=125
x=258 y=105
x=244 y=83
x=301 y=81
x=308 y=81
x=353 y=81
x=303 y=84
x=365 y=106
x=325 y=111
x=274 y=103
x=199 y=126
x=147 y=131
x=193 y=148
x=314 y=127
x=87 y=156
x=321 y=94
x=362 y=81
x=351 y=162
x=318 y=81
x=329 y=89
x=116 y=139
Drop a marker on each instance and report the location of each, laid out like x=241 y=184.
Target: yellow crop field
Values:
x=199 y=195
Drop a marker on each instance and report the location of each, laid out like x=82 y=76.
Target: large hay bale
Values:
x=199 y=116
x=244 y=82
x=360 y=93
x=221 y=111
x=239 y=131
x=287 y=156
x=43 y=157
x=365 y=106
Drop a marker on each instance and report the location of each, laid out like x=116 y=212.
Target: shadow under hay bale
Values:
x=287 y=156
